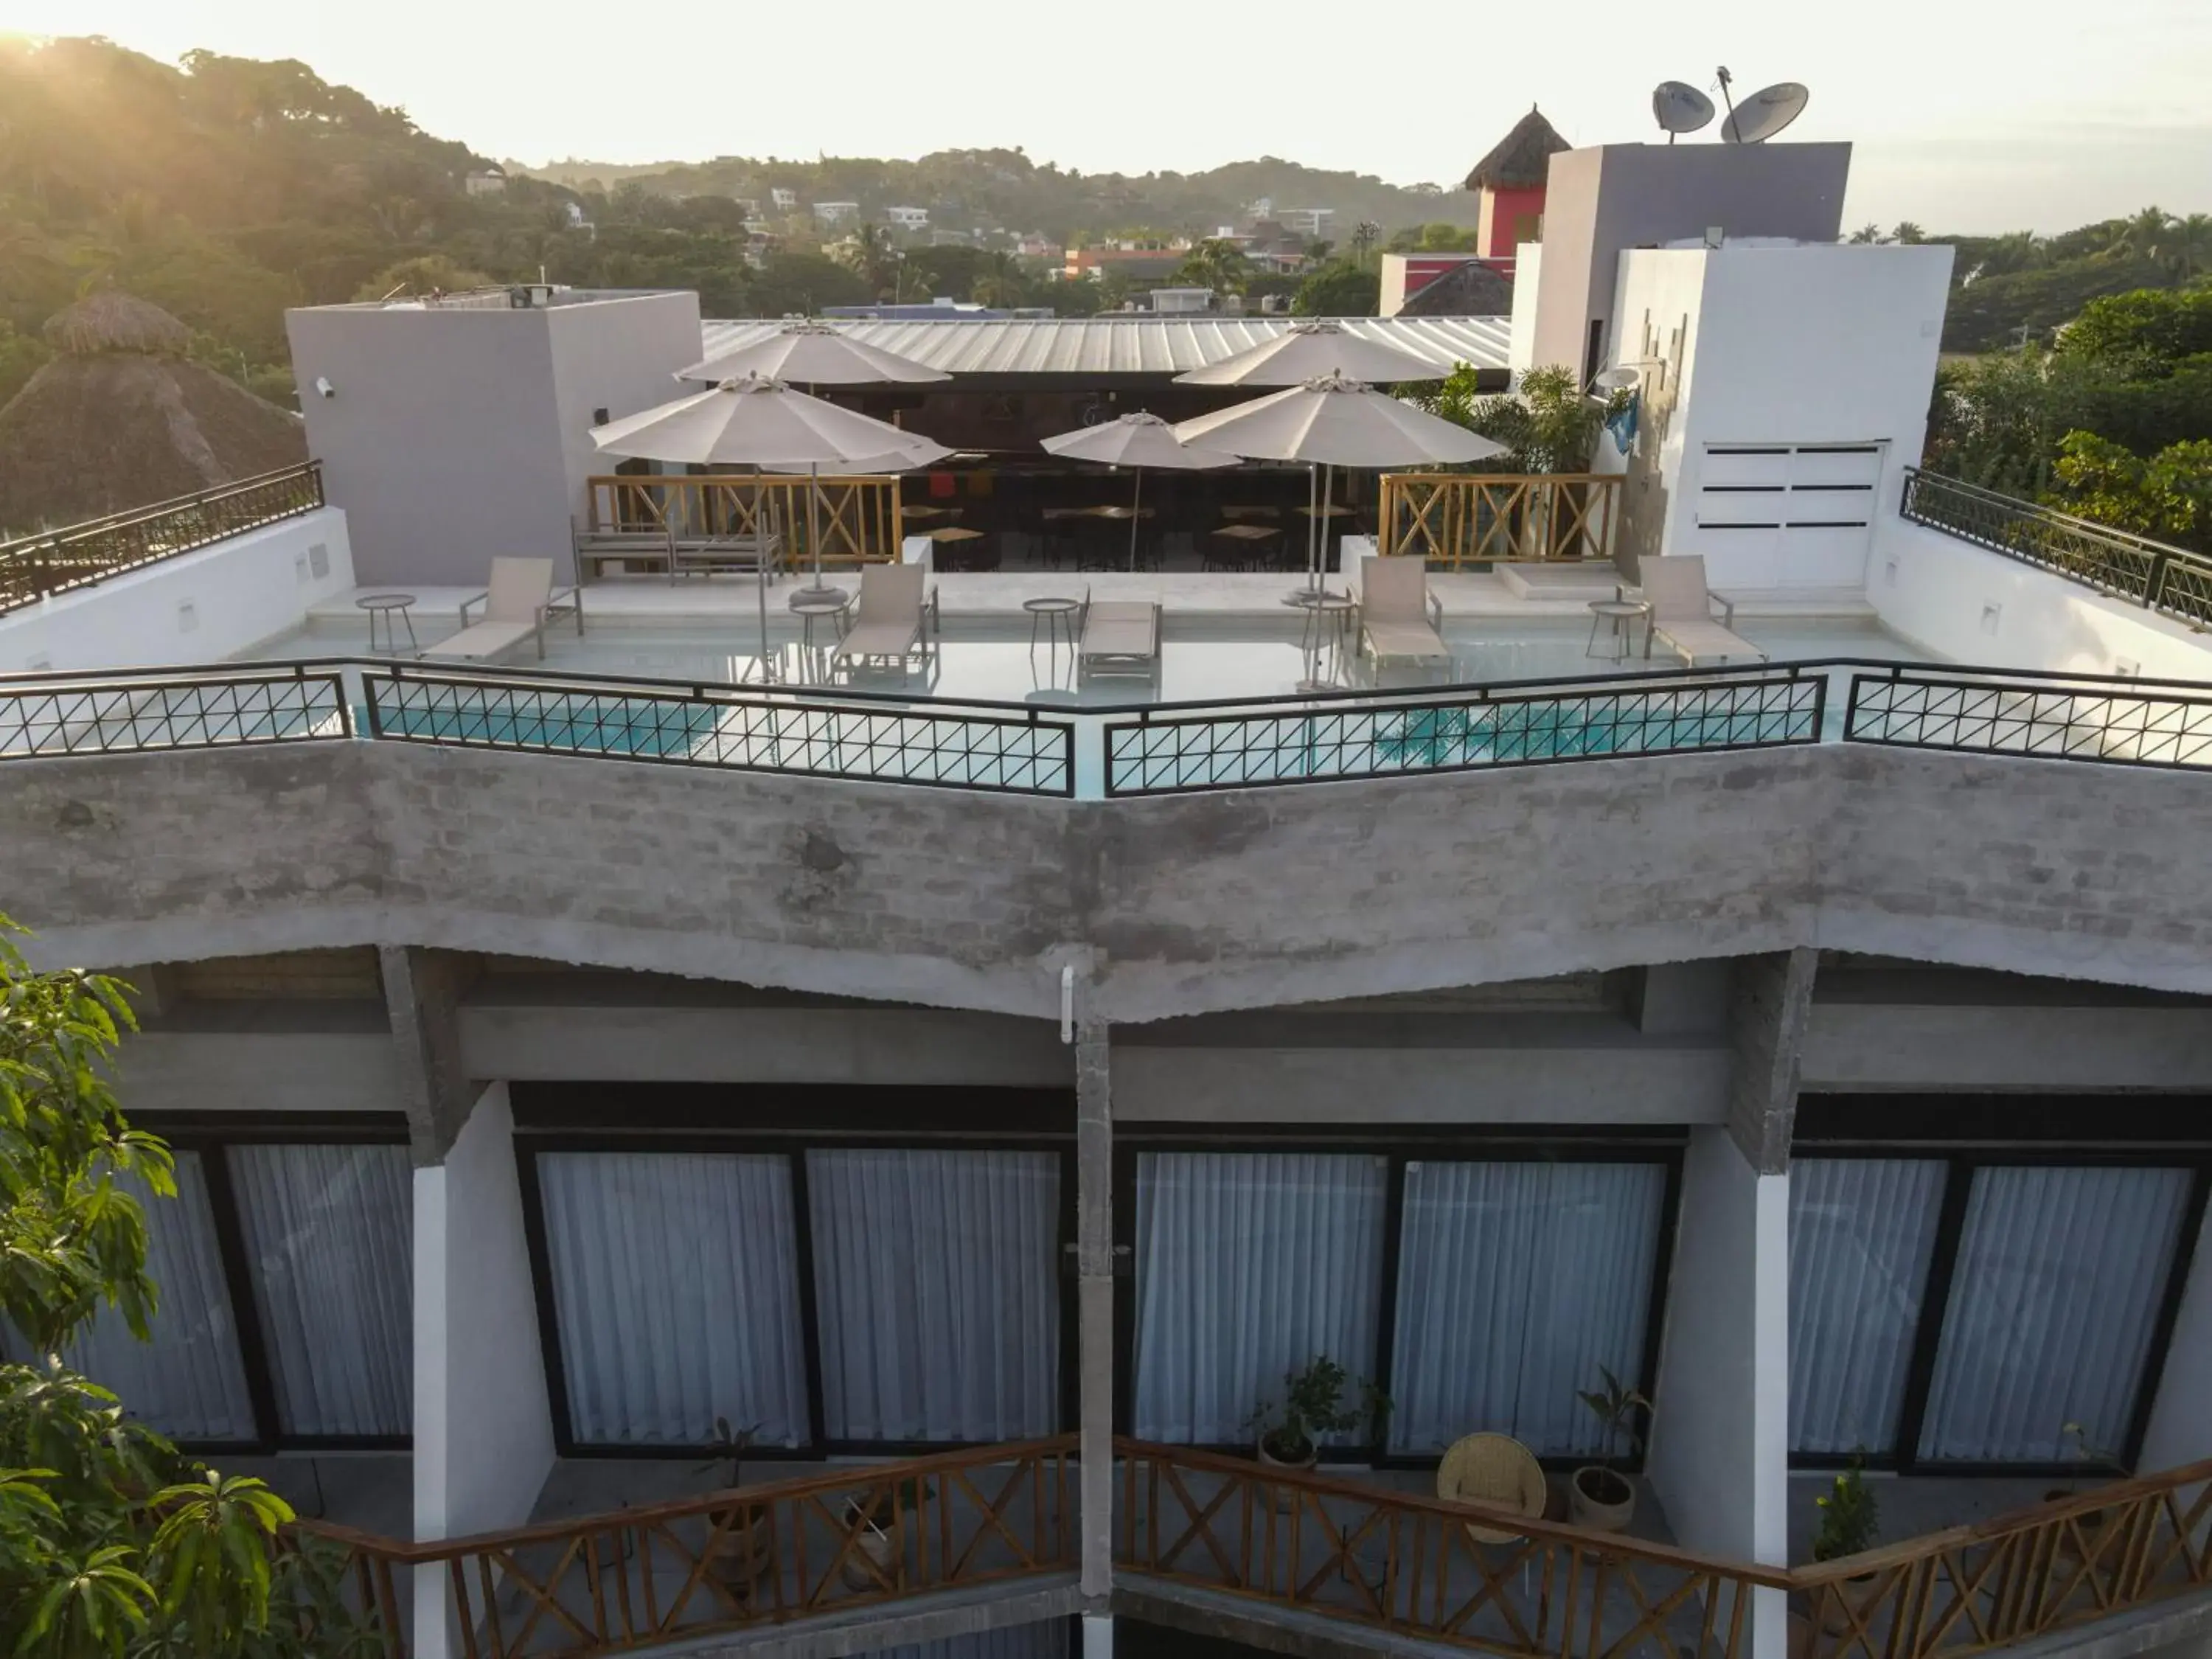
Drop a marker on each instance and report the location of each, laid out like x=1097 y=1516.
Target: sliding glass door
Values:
x=1519 y=1286
x=840 y=1298
x=1478 y=1293
x=1964 y=1310
x=1250 y=1265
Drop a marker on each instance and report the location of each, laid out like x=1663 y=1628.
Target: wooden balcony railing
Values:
x=77 y=556
x=1414 y=1566
x=1391 y=1562
x=857 y=518
x=737 y=1559
x=1457 y=518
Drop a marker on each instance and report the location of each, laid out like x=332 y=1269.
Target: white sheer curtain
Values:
x=2059 y=1276
x=1516 y=1282
x=937 y=1292
x=190 y=1380
x=676 y=1286
x=1861 y=1232
x=330 y=1243
x=1250 y=1265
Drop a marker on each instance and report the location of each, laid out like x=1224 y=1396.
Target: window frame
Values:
x=1967 y=1134
x=208 y=1135
x=758 y=1120
x=1447 y=1143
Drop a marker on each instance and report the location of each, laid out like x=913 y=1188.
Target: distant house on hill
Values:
x=485 y=181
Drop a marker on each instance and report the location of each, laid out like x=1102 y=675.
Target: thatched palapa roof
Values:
x=1471 y=289
x=1524 y=156
x=120 y=420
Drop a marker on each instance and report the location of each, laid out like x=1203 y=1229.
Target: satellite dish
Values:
x=1678 y=106
x=1619 y=377
x=1764 y=113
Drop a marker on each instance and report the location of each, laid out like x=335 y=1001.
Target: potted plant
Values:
x=1602 y=1497
x=872 y=1515
x=1849 y=1520
x=2091 y=1458
x=1313 y=1404
x=739 y=1549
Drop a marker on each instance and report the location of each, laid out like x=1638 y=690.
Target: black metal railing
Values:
x=2122 y=722
x=2169 y=580
x=194 y=709
x=1169 y=750
x=1122 y=750
x=822 y=734
x=77 y=556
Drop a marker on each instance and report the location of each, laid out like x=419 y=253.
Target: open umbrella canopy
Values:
x=1316 y=346
x=762 y=422
x=1336 y=422
x=813 y=353
x=1137 y=439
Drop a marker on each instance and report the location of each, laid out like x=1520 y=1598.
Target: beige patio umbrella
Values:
x=810 y=352
x=1335 y=421
x=1136 y=441
x=754 y=421
x=1306 y=350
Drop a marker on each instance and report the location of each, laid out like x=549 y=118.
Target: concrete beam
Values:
x=171 y=1071
x=1770 y=999
x=423 y=992
x=1861 y=1046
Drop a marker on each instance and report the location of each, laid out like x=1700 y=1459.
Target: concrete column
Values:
x=2180 y=1429
x=1720 y=1445
x=423 y=992
x=1770 y=1003
x=1094 y=1290
x=483 y=1428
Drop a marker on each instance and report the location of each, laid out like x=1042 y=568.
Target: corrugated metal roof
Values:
x=1126 y=344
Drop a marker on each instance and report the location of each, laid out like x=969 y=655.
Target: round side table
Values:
x=389 y=606
x=1055 y=616
x=812 y=604
x=1623 y=614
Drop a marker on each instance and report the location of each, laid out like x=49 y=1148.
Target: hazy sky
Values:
x=1967 y=115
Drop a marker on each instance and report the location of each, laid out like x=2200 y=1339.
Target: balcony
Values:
x=1200 y=1535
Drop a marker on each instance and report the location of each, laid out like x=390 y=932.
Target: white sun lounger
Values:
x=1400 y=620
x=517 y=601
x=893 y=617
x=1120 y=637
x=1683 y=612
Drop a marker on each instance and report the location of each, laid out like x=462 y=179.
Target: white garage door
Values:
x=1787 y=515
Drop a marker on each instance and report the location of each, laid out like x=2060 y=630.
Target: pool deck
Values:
x=654 y=601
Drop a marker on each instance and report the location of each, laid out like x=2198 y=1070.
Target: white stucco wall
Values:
x=1521 y=339
x=196 y=608
x=2180 y=1429
x=484 y=1431
x=1719 y=1453
x=1802 y=343
x=1940 y=593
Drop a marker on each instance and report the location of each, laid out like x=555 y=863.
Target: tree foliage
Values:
x=111 y=1544
x=1548 y=425
x=1339 y=290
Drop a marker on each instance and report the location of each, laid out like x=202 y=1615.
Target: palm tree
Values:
x=1215 y=264
x=1364 y=235
x=1908 y=234
x=2019 y=249
x=870 y=255
x=2188 y=249
x=2143 y=234
x=1868 y=232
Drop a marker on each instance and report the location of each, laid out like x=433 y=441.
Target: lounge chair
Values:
x=517 y=601
x=894 y=617
x=1400 y=620
x=1119 y=637
x=1683 y=611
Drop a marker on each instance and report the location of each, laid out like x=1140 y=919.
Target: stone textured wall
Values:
x=1237 y=900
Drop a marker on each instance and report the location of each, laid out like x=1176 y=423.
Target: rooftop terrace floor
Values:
x=1223 y=637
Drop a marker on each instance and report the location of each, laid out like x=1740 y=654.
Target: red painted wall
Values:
x=1506 y=206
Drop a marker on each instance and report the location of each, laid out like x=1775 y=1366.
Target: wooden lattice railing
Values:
x=1455 y=519
x=857 y=518
x=737 y=1559
x=1419 y=1567
x=1392 y=1562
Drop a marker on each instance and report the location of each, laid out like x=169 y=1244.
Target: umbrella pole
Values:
x=1328 y=498
x=814 y=523
x=1312 y=500
x=1136 y=512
